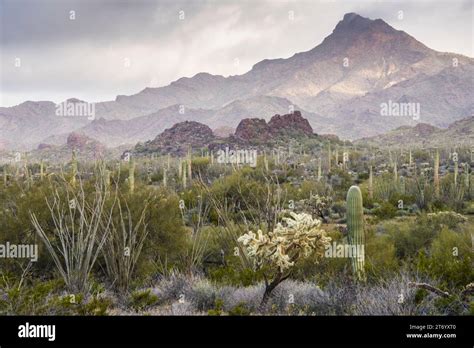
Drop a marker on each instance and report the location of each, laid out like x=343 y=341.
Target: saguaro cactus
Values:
x=184 y=176
x=395 y=173
x=41 y=170
x=467 y=176
x=329 y=157
x=131 y=175
x=164 y=177
x=371 y=183
x=455 y=170
x=355 y=229
x=436 y=173
x=73 y=168
x=319 y=169
x=190 y=175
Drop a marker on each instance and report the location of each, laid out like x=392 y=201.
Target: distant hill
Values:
x=424 y=135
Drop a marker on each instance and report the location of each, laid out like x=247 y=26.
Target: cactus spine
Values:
x=355 y=229
x=436 y=174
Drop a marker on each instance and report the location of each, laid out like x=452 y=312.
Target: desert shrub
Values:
x=385 y=211
x=141 y=300
x=393 y=296
x=449 y=259
x=380 y=255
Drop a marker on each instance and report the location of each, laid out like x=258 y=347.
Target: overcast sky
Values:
x=110 y=47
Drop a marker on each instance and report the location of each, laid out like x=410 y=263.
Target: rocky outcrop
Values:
x=77 y=141
x=290 y=123
x=255 y=130
x=179 y=138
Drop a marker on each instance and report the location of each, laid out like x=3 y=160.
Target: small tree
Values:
x=277 y=252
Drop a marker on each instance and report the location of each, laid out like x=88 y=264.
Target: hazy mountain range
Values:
x=338 y=86
x=460 y=133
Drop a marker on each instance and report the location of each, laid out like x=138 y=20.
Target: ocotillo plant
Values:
x=355 y=229
x=131 y=175
x=436 y=173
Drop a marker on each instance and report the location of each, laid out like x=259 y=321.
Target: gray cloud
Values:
x=86 y=57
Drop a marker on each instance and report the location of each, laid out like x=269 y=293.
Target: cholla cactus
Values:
x=278 y=251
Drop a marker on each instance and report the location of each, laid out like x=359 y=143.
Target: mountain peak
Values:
x=355 y=23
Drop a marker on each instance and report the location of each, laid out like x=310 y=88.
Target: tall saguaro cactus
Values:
x=355 y=229
x=41 y=170
x=329 y=157
x=436 y=173
x=319 y=169
x=131 y=175
x=371 y=183
x=73 y=168
x=456 y=170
